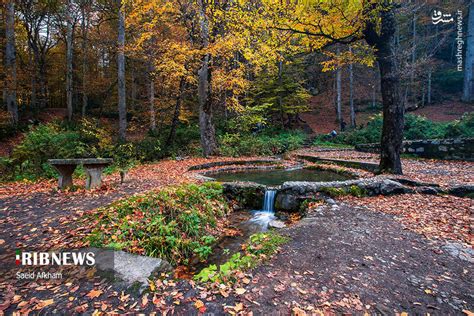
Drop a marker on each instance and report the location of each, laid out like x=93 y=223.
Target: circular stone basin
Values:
x=274 y=177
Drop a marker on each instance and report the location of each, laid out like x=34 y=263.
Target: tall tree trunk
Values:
x=413 y=58
x=151 y=104
x=69 y=62
x=34 y=82
x=429 y=87
x=206 y=124
x=338 y=93
x=122 y=107
x=351 y=93
x=468 y=89
x=10 y=62
x=177 y=111
x=85 y=18
x=133 y=92
x=280 y=98
x=42 y=83
x=393 y=107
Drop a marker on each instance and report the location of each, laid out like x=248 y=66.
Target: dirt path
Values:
x=351 y=259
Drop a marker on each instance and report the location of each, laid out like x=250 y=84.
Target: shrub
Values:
x=56 y=140
x=46 y=142
x=266 y=143
x=416 y=127
x=175 y=223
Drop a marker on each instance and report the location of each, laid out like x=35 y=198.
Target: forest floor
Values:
x=408 y=253
x=321 y=119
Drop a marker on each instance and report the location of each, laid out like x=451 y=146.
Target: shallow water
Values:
x=277 y=177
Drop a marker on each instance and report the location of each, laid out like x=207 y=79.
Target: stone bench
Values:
x=92 y=166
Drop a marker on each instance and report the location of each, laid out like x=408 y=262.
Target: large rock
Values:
x=466 y=190
x=291 y=194
x=247 y=194
x=127 y=267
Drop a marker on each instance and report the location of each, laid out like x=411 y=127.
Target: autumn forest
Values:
x=298 y=157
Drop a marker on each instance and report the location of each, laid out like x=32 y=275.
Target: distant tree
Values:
x=122 y=107
x=10 y=62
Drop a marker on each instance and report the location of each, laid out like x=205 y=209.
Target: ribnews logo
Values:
x=33 y=258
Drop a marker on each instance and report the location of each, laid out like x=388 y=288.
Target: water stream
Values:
x=247 y=223
x=267 y=214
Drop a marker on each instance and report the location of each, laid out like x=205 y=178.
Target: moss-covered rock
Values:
x=247 y=194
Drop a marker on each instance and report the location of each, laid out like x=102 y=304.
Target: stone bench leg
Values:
x=94 y=176
x=65 y=175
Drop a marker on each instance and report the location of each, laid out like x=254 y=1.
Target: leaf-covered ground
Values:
x=373 y=254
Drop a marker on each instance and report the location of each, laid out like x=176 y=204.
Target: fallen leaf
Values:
x=240 y=291
x=144 y=300
x=298 y=311
x=94 y=293
x=238 y=307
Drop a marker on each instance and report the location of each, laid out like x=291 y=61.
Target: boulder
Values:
x=129 y=268
x=465 y=190
x=247 y=194
x=429 y=190
x=276 y=224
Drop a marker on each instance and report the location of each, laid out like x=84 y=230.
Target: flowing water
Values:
x=263 y=217
x=247 y=223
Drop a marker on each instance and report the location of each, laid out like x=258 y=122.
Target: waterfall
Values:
x=263 y=217
x=269 y=201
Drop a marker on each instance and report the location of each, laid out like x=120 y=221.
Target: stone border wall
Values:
x=455 y=149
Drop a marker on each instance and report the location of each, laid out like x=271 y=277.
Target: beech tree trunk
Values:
x=69 y=62
x=429 y=87
x=206 y=124
x=351 y=93
x=393 y=107
x=152 y=104
x=177 y=111
x=10 y=62
x=338 y=94
x=85 y=18
x=280 y=98
x=122 y=107
x=468 y=88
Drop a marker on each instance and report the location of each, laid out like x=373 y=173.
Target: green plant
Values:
x=356 y=191
x=269 y=142
x=333 y=192
x=258 y=247
x=46 y=142
x=416 y=127
x=176 y=223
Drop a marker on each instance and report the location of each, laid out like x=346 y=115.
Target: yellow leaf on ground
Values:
x=238 y=307
x=198 y=304
x=296 y=311
x=240 y=291
x=46 y=302
x=152 y=286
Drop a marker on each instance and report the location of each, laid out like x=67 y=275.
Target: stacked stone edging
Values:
x=451 y=148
